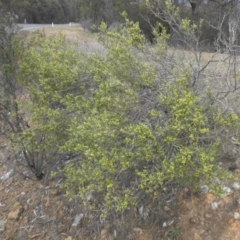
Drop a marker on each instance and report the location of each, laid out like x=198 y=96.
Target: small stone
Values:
x=137 y=230
x=214 y=205
x=227 y=191
x=164 y=224
x=77 y=219
x=89 y=197
x=2 y=227
x=16 y=211
x=6 y=175
x=236 y=186
x=205 y=188
x=236 y=215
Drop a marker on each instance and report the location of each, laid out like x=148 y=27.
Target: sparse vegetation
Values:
x=175 y=233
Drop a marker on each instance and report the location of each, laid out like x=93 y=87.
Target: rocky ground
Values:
x=32 y=209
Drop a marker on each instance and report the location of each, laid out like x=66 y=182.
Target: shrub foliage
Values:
x=134 y=133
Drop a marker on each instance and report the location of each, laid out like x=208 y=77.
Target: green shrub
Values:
x=134 y=134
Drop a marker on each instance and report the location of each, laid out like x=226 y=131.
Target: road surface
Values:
x=35 y=26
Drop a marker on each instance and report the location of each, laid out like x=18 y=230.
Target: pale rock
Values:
x=2 y=227
x=214 y=205
x=205 y=188
x=115 y=233
x=227 y=191
x=236 y=215
x=138 y=230
x=236 y=186
x=16 y=211
x=6 y=175
x=164 y=224
x=77 y=219
x=89 y=197
x=140 y=210
x=145 y=215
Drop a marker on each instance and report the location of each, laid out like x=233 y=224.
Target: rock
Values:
x=115 y=233
x=164 y=224
x=2 y=227
x=214 y=205
x=227 y=191
x=205 y=188
x=236 y=215
x=236 y=186
x=137 y=230
x=6 y=175
x=77 y=219
x=16 y=211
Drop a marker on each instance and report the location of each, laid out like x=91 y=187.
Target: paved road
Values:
x=35 y=26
